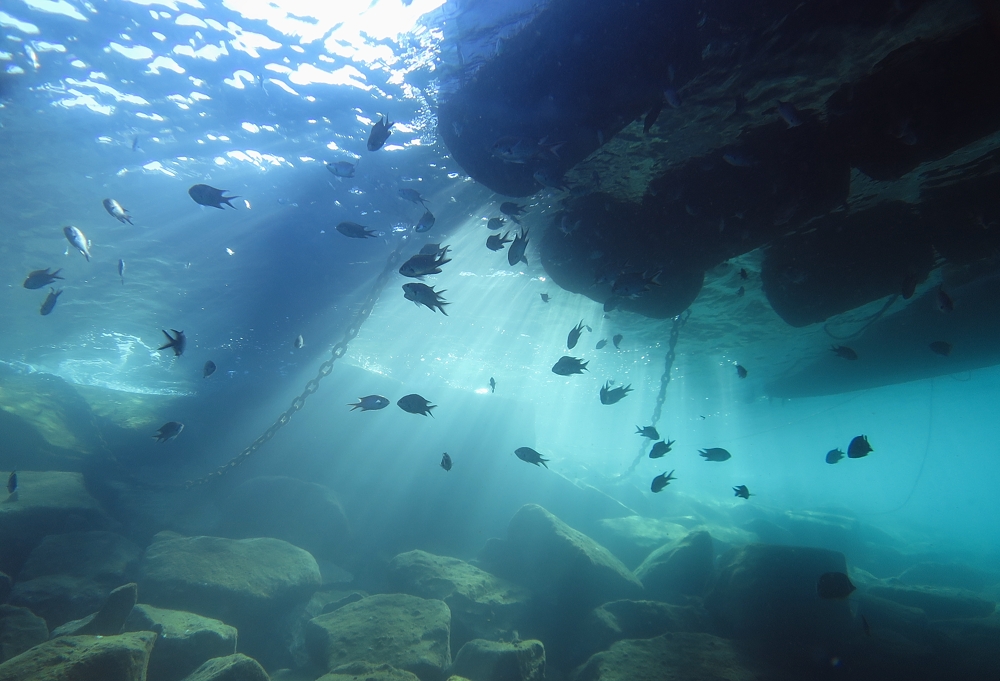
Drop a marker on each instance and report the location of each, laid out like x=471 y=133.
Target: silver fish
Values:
x=77 y=239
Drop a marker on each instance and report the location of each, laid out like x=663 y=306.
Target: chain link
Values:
x=336 y=352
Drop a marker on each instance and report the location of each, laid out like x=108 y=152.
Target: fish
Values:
x=740 y=292
x=121 y=270
x=633 y=284
x=495 y=223
x=412 y=195
x=742 y=491
x=515 y=254
x=299 y=342
x=380 y=133
x=743 y=274
x=834 y=455
x=168 y=431
x=715 y=454
x=661 y=481
x=672 y=96
x=647 y=431
x=859 y=447
x=738 y=160
x=178 y=342
x=422 y=264
x=422 y=294
x=530 y=456
x=617 y=340
x=425 y=222
x=549 y=177
x=370 y=403
x=415 y=404
x=834 y=585
x=343 y=168
x=50 y=302
x=493 y=385
x=355 y=231
x=209 y=369
x=204 y=195
x=574 y=335
x=135 y=143
x=740 y=371
x=545 y=297
x=611 y=395
x=496 y=242
x=843 y=351
x=601 y=343
x=789 y=113
x=944 y=301
x=567 y=366
x=12 y=482
x=654 y=113
x=41 y=278
x=116 y=211
x=522 y=150
x=512 y=210
x=942 y=348
x=77 y=239
x=660 y=448
x=446 y=461
x=433 y=249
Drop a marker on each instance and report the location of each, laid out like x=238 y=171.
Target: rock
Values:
x=481 y=660
x=766 y=592
x=6 y=584
x=236 y=667
x=186 y=640
x=338 y=603
x=368 y=672
x=886 y=615
x=107 y=621
x=957 y=575
x=939 y=603
x=302 y=513
x=558 y=563
x=634 y=537
x=83 y=658
x=20 y=629
x=674 y=572
x=671 y=657
x=47 y=503
x=405 y=631
x=482 y=606
x=619 y=620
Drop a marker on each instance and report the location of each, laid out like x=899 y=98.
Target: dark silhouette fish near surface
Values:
x=204 y=195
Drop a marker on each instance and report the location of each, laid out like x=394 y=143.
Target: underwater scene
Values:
x=497 y=340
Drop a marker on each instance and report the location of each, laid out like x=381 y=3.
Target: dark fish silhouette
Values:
x=379 y=134
x=116 y=211
x=530 y=455
x=415 y=404
x=944 y=301
x=494 y=223
x=412 y=195
x=121 y=270
x=574 y=335
x=647 y=431
x=178 y=343
x=715 y=454
x=434 y=249
x=834 y=455
x=789 y=113
x=168 y=431
x=425 y=222
x=661 y=481
x=422 y=294
x=742 y=491
x=545 y=297
x=342 y=168
x=617 y=340
x=567 y=366
x=512 y=210
x=843 y=351
x=493 y=385
x=743 y=274
x=496 y=242
x=660 y=448
x=209 y=369
x=370 y=403
x=834 y=585
x=611 y=395
x=210 y=196
x=12 y=482
x=355 y=231
x=515 y=253
x=601 y=343
x=50 y=302
x=942 y=348
x=740 y=371
x=41 y=278
x=859 y=447
x=446 y=461
x=422 y=264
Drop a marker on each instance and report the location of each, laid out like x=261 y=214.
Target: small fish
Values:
x=446 y=461
x=50 y=302
x=434 y=249
x=420 y=265
x=379 y=134
x=740 y=371
x=859 y=447
x=415 y=404
x=299 y=342
x=412 y=195
x=834 y=455
x=168 y=431
x=633 y=284
x=530 y=456
x=789 y=113
x=116 y=211
x=545 y=297
x=135 y=143
x=661 y=481
x=496 y=242
x=743 y=274
x=12 y=482
x=121 y=270
x=738 y=160
x=343 y=168
x=865 y=627
x=647 y=431
x=549 y=177
x=355 y=231
x=493 y=385
x=567 y=366
x=495 y=223
x=370 y=403
x=715 y=454
x=742 y=492
x=425 y=222
x=209 y=369
x=844 y=351
x=660 y=448
x=512 y=210
x=612 y=395
x=617 y=340
x=574 y=335
x=515 y=254
x=178 y=342
x=204 y=195
x=740 y=292
x=944 y=301
x=422 y=294
x=942 y=348
x=41 y=278
x=77 y=239
x=601 y=343
x=834 y=585
x=523 y=150
x=651 y=117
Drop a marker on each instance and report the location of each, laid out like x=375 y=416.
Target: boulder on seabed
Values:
x=940 y=603
x=634 y=537
x=481 y=660
x=107 y=621
x=368 y=672
x=620 y=620
x=767 y=592
x=235 y=667
x=671 y=657
x=83 y=658
x=673 y=573
x=955 y=575
x=20 y=630
x=407 y=632
x=482 y=605
x=186 y=640
x=557 y=562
